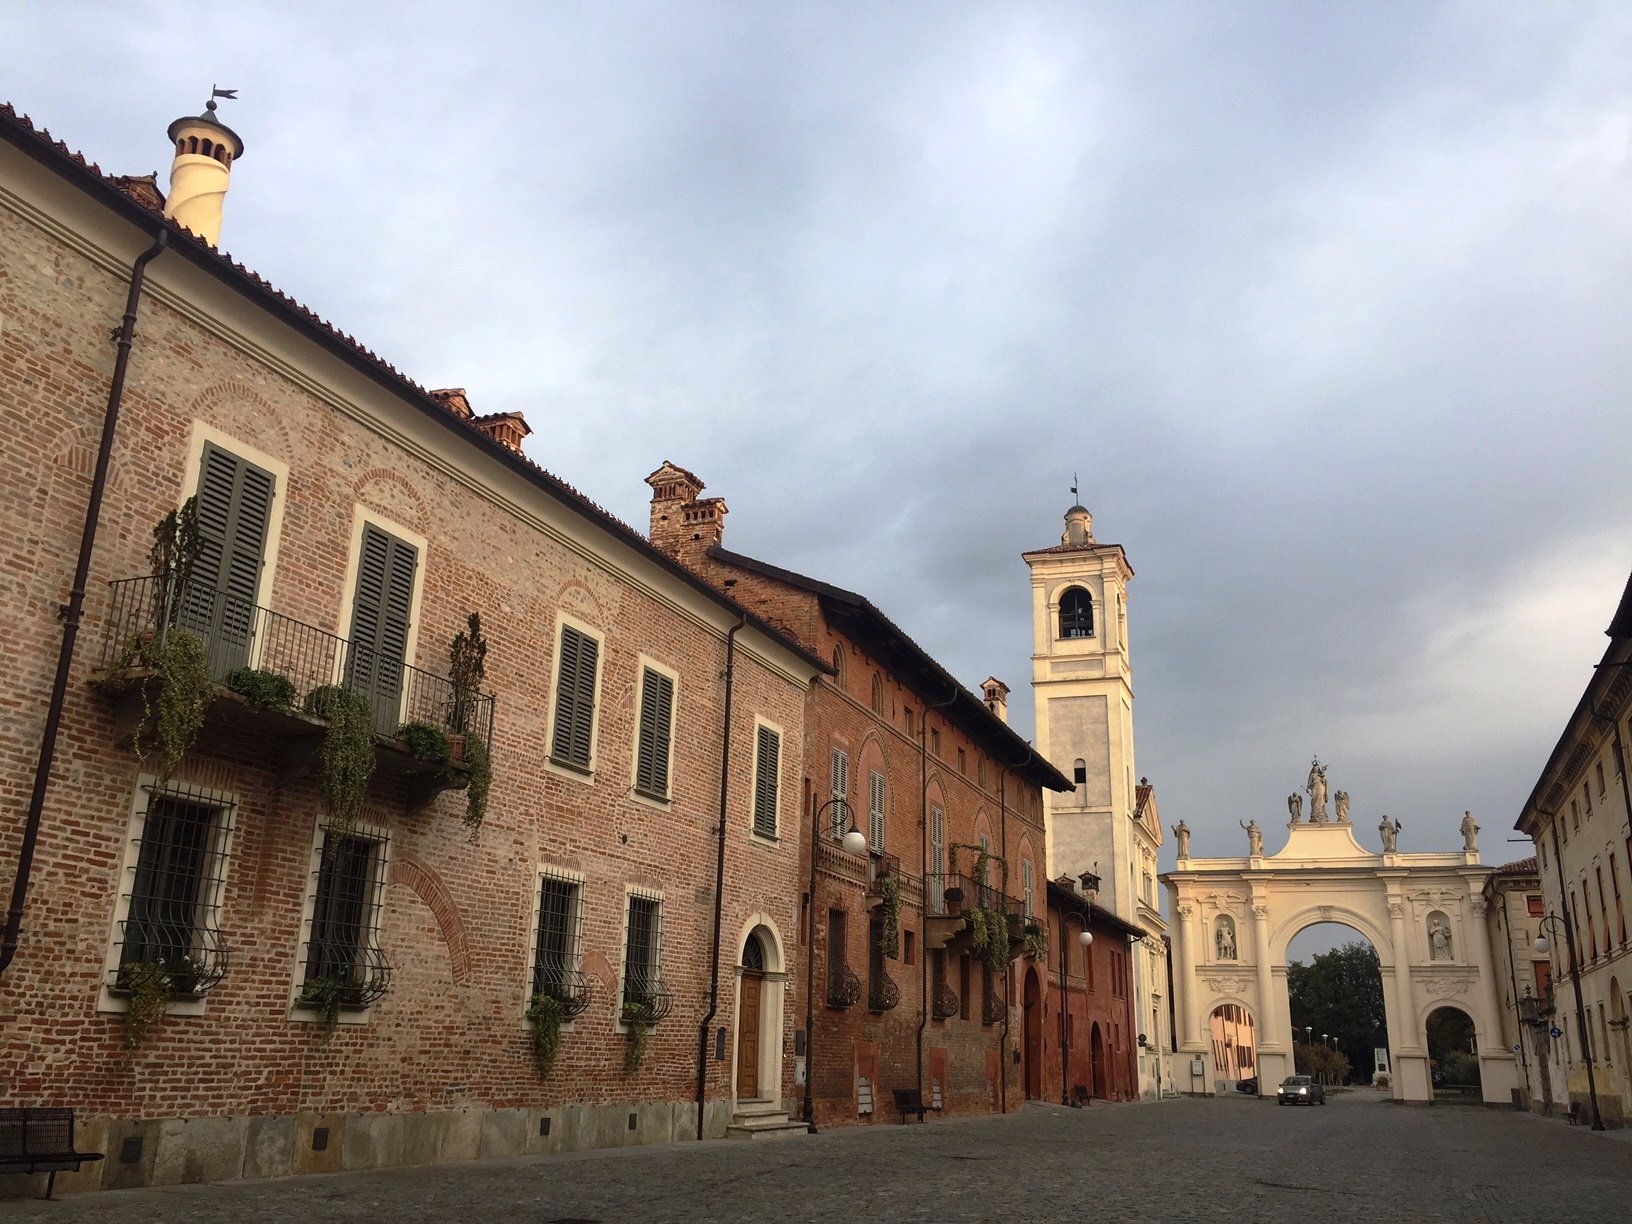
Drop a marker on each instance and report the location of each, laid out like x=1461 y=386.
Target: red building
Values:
x=1089 y=1042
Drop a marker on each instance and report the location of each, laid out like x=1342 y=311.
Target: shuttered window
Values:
x=380 y=612
x=838 y=814
x=875 y=811
x=937 y=860
x=234 y=505
x=767 y=764
x=656 y=725
x=576 y=660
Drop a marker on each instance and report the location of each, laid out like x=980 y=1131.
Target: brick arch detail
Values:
x=413 y=874
x=263 y=426
x=421 y=517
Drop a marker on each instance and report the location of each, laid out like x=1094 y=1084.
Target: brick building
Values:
x=948 y=798
x=1087 y=1031
x=238 y=963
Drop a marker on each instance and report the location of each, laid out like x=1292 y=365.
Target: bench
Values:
x=40 y=1141
x=910 y=1101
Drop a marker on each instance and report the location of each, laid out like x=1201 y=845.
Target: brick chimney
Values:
x=508 y=429
x=682 y=522
x=996 y=694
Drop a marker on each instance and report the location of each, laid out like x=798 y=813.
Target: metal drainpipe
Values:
x=923 y=861
x=1008 y=1003
x=719 y=876
x=74 y=611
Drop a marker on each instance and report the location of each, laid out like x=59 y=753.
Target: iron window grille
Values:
x=882 y=992
x=172 y=910
x=944 y=998
x=577 y=659
x=644 y=994
x=992 y=1006
x=656 y=733
x=767 y=766
x=557 y=946
x=343 y=953
x=843 y=986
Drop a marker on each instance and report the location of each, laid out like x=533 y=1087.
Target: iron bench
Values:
x=910 y=1101
x=40 y=1141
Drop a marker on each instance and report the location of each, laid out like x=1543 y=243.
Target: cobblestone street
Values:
x=1357 y=1159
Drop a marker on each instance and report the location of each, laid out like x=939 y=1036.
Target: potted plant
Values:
x=467 y=668
x=263 y=689
x=954 y=900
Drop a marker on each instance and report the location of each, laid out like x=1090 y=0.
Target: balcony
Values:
x=993 y=1010
x=957 y=895
x=883 y=994
x=267 y=667
x=945 y=1002
x=843 y=987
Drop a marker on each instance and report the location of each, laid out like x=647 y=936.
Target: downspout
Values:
x=1008 y=1003
x=923 y=863
x=707 y=1021
x=74 y=611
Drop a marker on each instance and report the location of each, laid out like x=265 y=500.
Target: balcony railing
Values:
x=238 y=634
x=992 y=1008
x=945 y=1002
x=646 y=993
x=843 y=987
x=883 y=994
x=975 y=894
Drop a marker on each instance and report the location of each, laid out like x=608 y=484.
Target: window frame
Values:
x=362 y=515
x=204 y=434
x=632 y=893
x=762 y=728
x=878 y=802
x=1075 y=632
x=838 y=814
x=575 y=931
x=557 y=765
x=644 y=664
x=373 y=908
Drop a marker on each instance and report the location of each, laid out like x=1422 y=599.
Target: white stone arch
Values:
x=772 y=1004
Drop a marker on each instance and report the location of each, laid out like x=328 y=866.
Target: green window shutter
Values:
x=234 y=504
x=574 y=698
x=380 y=611
x=839 y=818
x=656 y=724
x=875 y=810
x=766 y=764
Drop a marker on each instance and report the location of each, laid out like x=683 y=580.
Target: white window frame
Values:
x=360 y=516
x=1028 y=880
x=204 y=433
x=136 y=825
x=564 y=620
x=838 y=762
x=645 y=894
x=377 y=833
x=878 y=788
x=549 y=871
x=643 y=663
x=764 y=724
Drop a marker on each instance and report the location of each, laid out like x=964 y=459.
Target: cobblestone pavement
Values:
x=1359 y=1158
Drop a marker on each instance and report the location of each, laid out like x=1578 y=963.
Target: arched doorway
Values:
x=1033 y=1048
x=761 y=991
x=1334 y=989
x=1234 y=1040
x=1096 y=1063
x=749 y=1016
x=1453 y=1054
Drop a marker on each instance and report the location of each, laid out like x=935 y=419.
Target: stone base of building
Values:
x=178 y=1151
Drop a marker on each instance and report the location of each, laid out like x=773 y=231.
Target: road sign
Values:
x=1517 y=1048
x=1555 y=1032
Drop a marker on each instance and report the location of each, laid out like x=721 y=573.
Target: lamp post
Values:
x=1085 y=937
x=854 y=842
x=1551 y=923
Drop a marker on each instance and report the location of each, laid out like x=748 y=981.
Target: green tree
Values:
x=1340 y=993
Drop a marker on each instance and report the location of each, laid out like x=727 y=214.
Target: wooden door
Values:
x=1034 y=1037
x=748 y=1037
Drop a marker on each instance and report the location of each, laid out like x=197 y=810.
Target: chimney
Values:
x=996 y=694
x=455 y=401
x=201 y=171
x=508 y=429
x=682 y=521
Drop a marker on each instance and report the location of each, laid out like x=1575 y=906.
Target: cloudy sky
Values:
x=1327 y=304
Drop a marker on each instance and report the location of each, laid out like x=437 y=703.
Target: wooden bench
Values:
x=40 y=1141
x=910 y=1101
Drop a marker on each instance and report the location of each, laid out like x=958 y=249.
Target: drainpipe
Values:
x=923 y=864
x=1008 y=1003
x=719 y=876
x=74 y=611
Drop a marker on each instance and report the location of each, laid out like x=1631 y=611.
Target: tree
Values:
x=1340 y=993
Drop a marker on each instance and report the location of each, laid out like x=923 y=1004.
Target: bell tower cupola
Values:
x=205 y=149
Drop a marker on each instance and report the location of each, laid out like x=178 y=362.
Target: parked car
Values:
x=1300 y=1090
x=1247 y=1085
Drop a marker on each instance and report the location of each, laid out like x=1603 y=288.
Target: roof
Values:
x=1071 y=901
x=1620 y=625
x=132 y=199
x=1524 y=866
x=1087 y=546
x=856 y=615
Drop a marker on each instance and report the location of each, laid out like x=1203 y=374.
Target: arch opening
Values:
x=1336 y=1005
x=1233 y=1036
x=1453 y=1055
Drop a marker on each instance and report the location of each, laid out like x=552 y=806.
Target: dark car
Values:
x=1247 y=1085
x=1300 y=1090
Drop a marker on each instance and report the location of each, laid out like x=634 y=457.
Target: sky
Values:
x=1324 y=305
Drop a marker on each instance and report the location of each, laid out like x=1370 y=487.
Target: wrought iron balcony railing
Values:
x=645 y=996
x=572 y=990
x=883 y=994
x=945 y=1002
x=975 y=894
x=992 y=1008
x=843 y=987
x=237 y=634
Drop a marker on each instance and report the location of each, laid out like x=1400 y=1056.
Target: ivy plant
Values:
x=891 y=889
x=148 y=986
x=639 y=1019
x=177 y=715
x=263 y=689
x=427 y=744
x=545 y=1016
x=346 y=759
x=481 y=782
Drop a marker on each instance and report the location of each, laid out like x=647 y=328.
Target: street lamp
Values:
x=1085 y=937
x=853 y=841
x=1543 y=945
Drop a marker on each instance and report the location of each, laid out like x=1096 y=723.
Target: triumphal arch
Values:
x=1234 y=918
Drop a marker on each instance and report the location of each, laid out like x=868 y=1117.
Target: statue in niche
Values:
x=1181 y=833
x=1316 y=786
x=1294 y=804
x=1390 y=829
x=1439 y=937
x=1255 y=838
x=1226 y=939
x=1470 y=834
x=1342 y=801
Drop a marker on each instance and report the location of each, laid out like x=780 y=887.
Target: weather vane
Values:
x=217 y=92
x=1075 y=496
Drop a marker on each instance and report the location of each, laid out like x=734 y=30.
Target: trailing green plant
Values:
x=177 y=715
x=891 y=888
x=266 y=690
x=545 y=1016
x=176 y=542
x=346 y=759
x=480 y=764
x=640 y=1022
x=428 y=744
x=148 y=986
x=1035 y=941
x=467 y=668
x=989 y=937
x=328 y=996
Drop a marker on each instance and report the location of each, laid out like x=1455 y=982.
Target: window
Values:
x=841 y=992
x=342 y=945
x=985 y=841
x=1598 y=769
x=1603 y=906
x=935 y=741
x=839 y=788
x=642 y=982
x=875 y=811
x=767 y=777
x=1586 y=799
x=964 y=979
x=556 y=943
x=1079 y=772
x=654 y=740
x=1026 y=882
x=991 y=1007
x=1575 y=814
x=1620 y=912
x=878 y=693
x=1532 y=904
x=942 y=1004
x=937 y=861
x=1076 y=614
x=175 y=890
x=906 y=718
x=980 y=770
x=875 y=963
x=908 y=951
x=577 y=667
x=963 y=765
x=381 y=614
x=838 y=666
x=234 y=507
